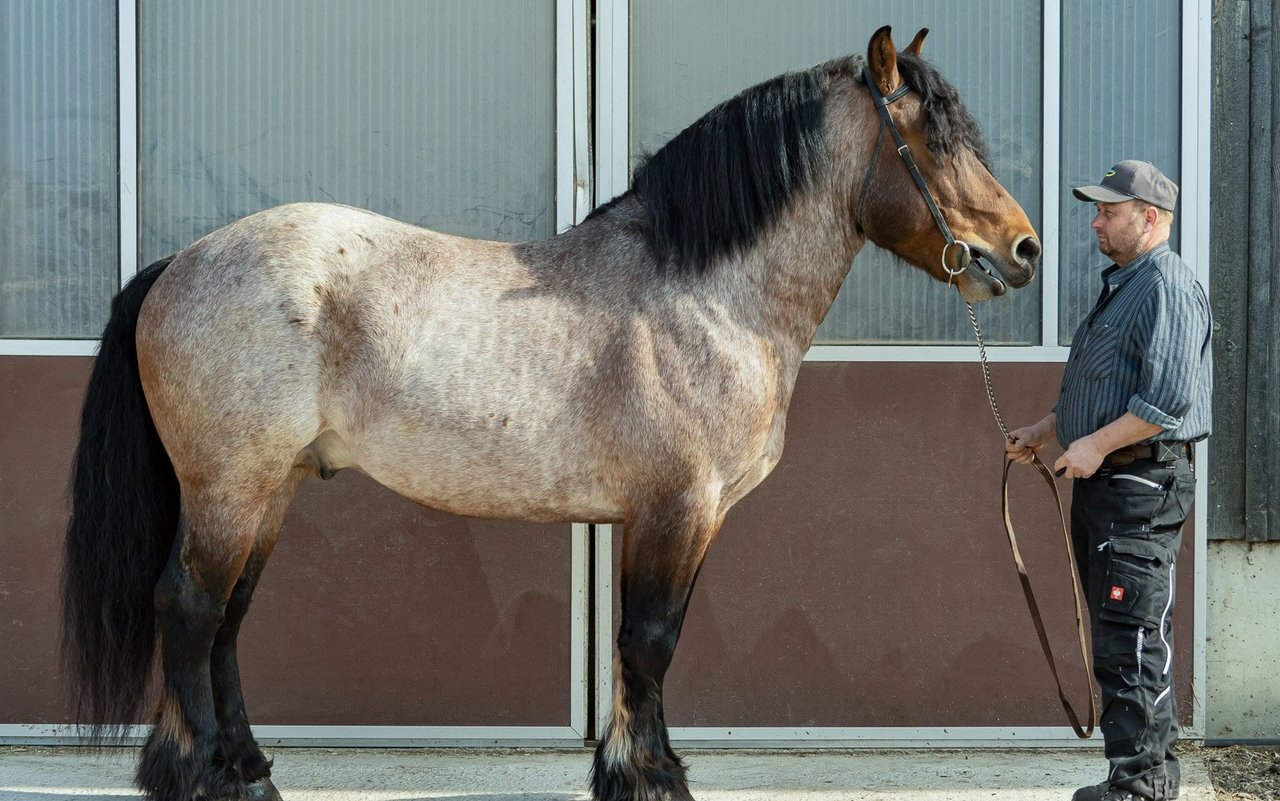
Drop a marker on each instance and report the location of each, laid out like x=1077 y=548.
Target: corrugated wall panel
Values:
x=1120 y=90
x=59 y=206
x=441 y=114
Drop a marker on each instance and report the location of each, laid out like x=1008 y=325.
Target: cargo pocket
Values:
x=1136 y=585
x=1182 y=492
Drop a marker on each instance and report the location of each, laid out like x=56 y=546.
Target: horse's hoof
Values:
x=262 y=790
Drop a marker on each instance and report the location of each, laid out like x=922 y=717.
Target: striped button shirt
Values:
x=1145 y=348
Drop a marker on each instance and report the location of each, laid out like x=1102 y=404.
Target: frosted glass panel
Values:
x=440 y=114
x=59 y=202
x=1120 y=67
x=688 y=56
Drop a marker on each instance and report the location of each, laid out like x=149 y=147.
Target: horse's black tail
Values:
x=124 y=518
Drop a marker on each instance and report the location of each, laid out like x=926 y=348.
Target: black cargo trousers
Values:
x=1126 y=527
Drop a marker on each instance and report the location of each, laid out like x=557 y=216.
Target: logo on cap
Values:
x=1110 y=172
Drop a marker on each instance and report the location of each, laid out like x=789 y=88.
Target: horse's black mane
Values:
x=717 y=183
x=711 y=188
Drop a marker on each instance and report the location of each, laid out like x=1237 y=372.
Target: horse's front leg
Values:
x=663 y=548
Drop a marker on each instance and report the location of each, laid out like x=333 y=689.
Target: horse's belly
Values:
x=464 y=477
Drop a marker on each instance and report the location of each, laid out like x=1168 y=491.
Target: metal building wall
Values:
x=824 y=613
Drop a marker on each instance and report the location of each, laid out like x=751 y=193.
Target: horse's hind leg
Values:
x=215 y=538
x=663 y=548
x=237 y=746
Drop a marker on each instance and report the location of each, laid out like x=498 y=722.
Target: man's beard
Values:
x=1121 y=251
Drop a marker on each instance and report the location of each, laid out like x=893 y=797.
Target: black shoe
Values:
x=1105 y=792
x=1091 y=793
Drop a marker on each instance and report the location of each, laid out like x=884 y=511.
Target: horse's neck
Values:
x=787 y=282
x=797 y=267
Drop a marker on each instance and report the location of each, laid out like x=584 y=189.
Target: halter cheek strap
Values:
x=886 y=121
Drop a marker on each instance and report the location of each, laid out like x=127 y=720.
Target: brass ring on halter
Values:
x=967 y=259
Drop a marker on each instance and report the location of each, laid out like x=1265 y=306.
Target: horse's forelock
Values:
x=951 y=128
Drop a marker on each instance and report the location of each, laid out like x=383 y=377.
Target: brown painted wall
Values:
x=39 y=408
x=372 y=611
x=867 y=582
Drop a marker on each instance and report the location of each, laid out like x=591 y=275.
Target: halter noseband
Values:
x=886 y=121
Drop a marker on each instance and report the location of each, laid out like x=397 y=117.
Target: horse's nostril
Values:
x=1028 y=250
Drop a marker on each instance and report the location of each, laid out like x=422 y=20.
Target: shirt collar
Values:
x=1115 y=275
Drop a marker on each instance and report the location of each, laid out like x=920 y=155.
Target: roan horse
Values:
x=636 y=369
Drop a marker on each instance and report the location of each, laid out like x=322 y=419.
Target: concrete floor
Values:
x=318 y=774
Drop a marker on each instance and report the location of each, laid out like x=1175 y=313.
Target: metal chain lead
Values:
x=986 y=374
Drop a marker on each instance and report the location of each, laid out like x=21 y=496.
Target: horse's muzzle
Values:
x=1016 y=269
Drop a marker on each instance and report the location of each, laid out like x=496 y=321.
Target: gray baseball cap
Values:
x=1132 y=180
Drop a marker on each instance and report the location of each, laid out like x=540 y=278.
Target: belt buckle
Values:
x=1168 y=451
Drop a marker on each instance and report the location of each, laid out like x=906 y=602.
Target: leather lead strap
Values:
x=1034 y=608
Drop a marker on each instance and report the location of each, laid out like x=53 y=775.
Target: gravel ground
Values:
x=1244 y=774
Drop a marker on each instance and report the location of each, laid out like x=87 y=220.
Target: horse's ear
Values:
x=882 y=60
x=918 y=42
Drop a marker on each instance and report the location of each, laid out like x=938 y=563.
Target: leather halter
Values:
x=886 y=121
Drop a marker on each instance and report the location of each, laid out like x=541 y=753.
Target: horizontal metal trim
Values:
x=48 y=347
x=814 y=737
x=817 y=353
x=934 y=353
x=880 y=737
x=439 y=736
x=891 y=737
x=333 y=736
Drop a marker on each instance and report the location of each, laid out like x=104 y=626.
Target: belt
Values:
x=1151 y=450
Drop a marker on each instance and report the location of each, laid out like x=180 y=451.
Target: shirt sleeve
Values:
x=1177 y=326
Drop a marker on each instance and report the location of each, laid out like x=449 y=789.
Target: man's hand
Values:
x=1026 y=443
x=1085 y=454
x=1081 y=459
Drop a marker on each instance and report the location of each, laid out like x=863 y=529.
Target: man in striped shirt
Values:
x=1134 y=398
